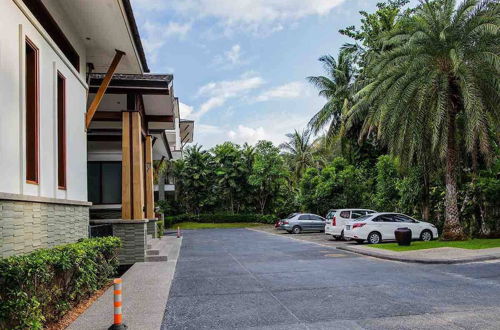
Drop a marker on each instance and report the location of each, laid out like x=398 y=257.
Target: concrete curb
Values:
x=381 y=255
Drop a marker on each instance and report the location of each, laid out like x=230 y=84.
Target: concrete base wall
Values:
x=26 y=225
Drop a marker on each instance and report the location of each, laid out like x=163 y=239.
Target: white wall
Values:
x=14 y=27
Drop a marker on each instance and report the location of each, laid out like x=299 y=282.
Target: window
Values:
x=304 y=217
x=403 y=218
x=385 y=218
x=317 y=218
x=345 y=214
x=357 y=213
x=32 y=129
x=61 y=131
x=105 y=182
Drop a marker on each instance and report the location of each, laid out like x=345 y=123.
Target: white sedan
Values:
x=379 y=227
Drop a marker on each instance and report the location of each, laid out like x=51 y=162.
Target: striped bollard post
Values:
x=178 y=232
x=118 y=320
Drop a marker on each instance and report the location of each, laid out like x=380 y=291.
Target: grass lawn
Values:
x=197 y=225
x=473 y=244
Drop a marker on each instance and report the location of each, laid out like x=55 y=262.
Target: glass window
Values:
x=330 y=214
x=105 y=182
x=291 y=215
x=304 y=217
x=386 y=218
x=364 y=217
x=404 y=218
x=357 y=213
x=345 y=214
x=31 y=115
x=61 y=131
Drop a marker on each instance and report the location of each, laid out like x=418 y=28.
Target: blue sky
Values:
x=240 y=65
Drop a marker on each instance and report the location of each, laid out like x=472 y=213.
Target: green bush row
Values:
x=40 y=287
x=220 y=218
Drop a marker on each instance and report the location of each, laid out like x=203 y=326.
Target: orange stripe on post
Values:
x=118 y=291
x=117 y=280
x=118 y=319
x=118 y=304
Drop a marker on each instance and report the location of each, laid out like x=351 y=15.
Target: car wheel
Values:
x=296 y=230
x=426 y=236
x=374 y=238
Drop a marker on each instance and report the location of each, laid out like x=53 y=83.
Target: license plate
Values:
x=348 y=227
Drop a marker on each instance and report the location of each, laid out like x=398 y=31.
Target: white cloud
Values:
x=186 y=111
x=233 y=55
x=257 y=15
x=217 y=93
x=247 y=134
x=156 y=35
x=287 y=91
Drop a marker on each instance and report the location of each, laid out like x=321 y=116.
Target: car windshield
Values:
x=364 y=217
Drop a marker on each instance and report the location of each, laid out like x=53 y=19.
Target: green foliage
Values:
x=221 y=218
x=160 y=228
x=40 y=287
x=386 y=195
x=338 y=185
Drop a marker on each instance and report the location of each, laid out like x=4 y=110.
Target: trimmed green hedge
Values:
x=40 y=287
x=220 y=218
x=160 y=228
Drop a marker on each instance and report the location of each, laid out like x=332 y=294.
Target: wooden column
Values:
x=126 y=168
x=150 y=199
x=132 y=167
x=137 y=160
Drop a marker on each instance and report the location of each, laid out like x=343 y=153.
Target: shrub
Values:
x=160 y=228
x=40 y=287
x=220 y=218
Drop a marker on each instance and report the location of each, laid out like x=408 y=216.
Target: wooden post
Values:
x=126 y=168
x=102 y=89
x=150 y=200
x=137 y=167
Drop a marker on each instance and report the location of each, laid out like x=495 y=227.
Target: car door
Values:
x=343 y=219
x=387 y=225
x=305 y=221
x=405 y=221
x=319 y=222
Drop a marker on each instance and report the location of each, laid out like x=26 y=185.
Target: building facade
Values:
x=57 y=61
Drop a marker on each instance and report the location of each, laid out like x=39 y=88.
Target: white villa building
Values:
x=81 y=124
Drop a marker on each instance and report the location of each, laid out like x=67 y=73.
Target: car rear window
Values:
x=330 y=214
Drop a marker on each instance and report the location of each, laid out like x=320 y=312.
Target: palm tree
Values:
x=442 y=64
x=336 y=88
x=298 y=150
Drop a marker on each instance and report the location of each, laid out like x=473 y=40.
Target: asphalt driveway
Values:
x=240 y=279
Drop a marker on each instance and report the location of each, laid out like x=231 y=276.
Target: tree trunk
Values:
x=452 y=228
x=426 y=209
x=161 y=187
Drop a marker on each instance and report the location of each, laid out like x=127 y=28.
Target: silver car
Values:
x=299 y=222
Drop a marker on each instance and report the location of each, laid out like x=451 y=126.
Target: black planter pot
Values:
x=403 y=236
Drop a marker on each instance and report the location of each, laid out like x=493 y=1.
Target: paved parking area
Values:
x=243 y=279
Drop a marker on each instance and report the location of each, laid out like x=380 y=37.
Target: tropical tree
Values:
x=298 y=151
x=268 y=173
x=441 y=65
x=335 y=86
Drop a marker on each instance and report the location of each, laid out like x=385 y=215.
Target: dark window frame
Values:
x=32 y=111
x=61 y=132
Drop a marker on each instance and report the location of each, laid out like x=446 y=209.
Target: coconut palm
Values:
x=336 y=88
x=298 y=151
x=442 y=65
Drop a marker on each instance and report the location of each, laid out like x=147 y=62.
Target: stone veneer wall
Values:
x=27 y=225
x=134 y=240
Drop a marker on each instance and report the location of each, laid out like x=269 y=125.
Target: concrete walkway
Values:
x=444 y=255
x=146 y=288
